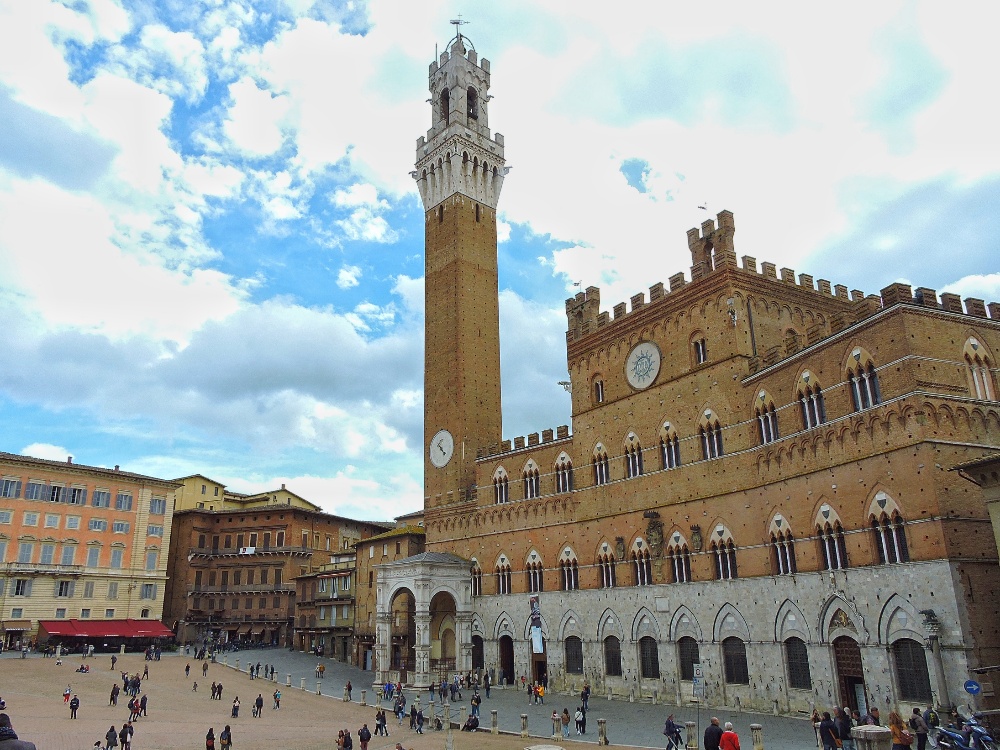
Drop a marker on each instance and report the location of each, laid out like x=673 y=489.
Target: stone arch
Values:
x=478 y=625
x=644 y=623
x=610 y=624
x=503 y=625
x=899 y=619
x=684 y=623
x=570 y=625
x=790 y=622
x=526 y=634
x=881 y=502
x=728 y=622
x=838 y=618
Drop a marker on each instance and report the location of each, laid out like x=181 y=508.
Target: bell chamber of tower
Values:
x=458 y=154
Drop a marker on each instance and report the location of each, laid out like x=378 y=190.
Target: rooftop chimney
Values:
x=69 y=459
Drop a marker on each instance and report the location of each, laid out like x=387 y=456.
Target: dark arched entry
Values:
x=850 y=674
x=402 y=654
x=507 y=659
x=478 y=660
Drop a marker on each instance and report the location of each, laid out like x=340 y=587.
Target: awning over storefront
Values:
x=104 y=629
x=10 y=625
x=244 y=629
x=257 y=630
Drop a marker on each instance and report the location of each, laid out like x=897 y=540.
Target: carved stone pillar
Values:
x=383 y=641
x=422 y=648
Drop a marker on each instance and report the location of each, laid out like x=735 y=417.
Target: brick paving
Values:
x=179 y=717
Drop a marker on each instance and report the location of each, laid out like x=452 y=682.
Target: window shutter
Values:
x=27 y=588
x=17 y=491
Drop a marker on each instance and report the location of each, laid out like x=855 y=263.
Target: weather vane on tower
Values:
x=459 y=23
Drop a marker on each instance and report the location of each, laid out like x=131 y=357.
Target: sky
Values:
x=211 y=250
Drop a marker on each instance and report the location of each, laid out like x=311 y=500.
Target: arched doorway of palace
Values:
x=850 y=673
x=403 y=630
x=443 y=641
x=506 y=646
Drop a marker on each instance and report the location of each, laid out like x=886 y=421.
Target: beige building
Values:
x=324 y=608
x=756 y=479
x=83 y=550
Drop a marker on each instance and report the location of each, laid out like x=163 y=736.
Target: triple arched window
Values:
x=710 y=435
x=535 y=577
x=641 y=567
x=863 y=380
x=810 y=398
x=503 y=577
x=564 y=474
x=783 y=552
x=477 y=580
x=890 y=537
x=602 y=473
x=606 y=564
x=724 y=556
x=670 y=447
x=832 y=545
x=680 y=562
x=979 y=367
x=529 y=478
x=501 y=489
x=569 y=573
x=633 y=457
x=767 y=419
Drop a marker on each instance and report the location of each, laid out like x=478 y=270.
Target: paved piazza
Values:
x=180 y=718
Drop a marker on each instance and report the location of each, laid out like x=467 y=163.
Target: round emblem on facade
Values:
x=642 y=365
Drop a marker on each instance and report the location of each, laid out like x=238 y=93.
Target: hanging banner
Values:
x=537 y=647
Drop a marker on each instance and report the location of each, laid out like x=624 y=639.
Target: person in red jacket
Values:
x=729 y=739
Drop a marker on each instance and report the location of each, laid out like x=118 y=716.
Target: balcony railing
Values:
x=257 y=551
x=43 y=569
x=253 y=588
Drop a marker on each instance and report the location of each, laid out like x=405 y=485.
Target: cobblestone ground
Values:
x=179 y=717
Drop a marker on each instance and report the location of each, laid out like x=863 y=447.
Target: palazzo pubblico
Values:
x=759 y=477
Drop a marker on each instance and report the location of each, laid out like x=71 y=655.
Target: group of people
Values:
x=835 y=731
x=225 y=739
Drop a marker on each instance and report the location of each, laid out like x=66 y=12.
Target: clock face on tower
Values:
x=441 y=448
x=642 y=365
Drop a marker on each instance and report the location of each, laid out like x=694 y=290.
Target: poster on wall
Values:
x=537 y=647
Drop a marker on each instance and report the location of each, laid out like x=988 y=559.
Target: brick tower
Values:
x=459 y=171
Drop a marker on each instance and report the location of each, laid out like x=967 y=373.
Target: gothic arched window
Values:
x=564 y=474
x=890 y=537
x=472 y=99
x=602 y=472
x=501 y=489
x=863 y=379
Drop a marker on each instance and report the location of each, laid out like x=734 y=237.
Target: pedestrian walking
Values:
x=74 y=704
x=364 y=735
x=210 y=739
x=729 y=739
x=187 y=669
x=829 y=734
x=713 y=733
x=258 y=705
x=672 y=731
x=236 y=708
x=277 y=700
x=111 y=738
x=226 y=738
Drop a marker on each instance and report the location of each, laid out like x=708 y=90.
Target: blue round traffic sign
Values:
x=972 y=687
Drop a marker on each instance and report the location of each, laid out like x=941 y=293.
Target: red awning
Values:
x=105 y=628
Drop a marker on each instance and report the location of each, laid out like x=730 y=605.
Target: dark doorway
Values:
x=539 y=667
x=507 y=659
x=477 y=652
x=850 y=673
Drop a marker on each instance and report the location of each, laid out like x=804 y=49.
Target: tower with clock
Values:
x=459 y=171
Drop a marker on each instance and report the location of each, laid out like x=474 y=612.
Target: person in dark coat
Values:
x=713 y=733
x=111 y=738
x=9 y=739
x=73 y=706
x=210 y=739
x=828 y=732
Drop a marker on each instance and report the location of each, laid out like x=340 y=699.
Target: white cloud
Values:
x=255 y=119
x=349 y=276
x=47 y=451
x=171 y=62
x=979 y=286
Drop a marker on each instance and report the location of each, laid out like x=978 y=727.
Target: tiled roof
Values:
x=67 y=466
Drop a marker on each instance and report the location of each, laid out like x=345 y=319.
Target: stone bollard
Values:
x=318 y=683
x=447 y=716
x=602 y=732
x=462 y=711
x=416 y=702
x=288 y=680
x=609 y=693
x=692 y=735
x=494 y=727
x=430 y=714
x=225 y=661
x=345 y=695
x=872 y=738
x=364 y=701
x=237 y=663
x=757 y=735
x=524 y=725
x=556 y=727
x=656 y=695
x=302 y=683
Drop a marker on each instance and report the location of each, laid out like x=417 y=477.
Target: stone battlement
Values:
x=712 y=250
x=521 y=442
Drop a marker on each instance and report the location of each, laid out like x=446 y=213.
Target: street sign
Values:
x=972 y=687
x=698 y=682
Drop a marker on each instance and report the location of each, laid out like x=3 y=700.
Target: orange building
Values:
x=80 y=543
x=755 y=484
